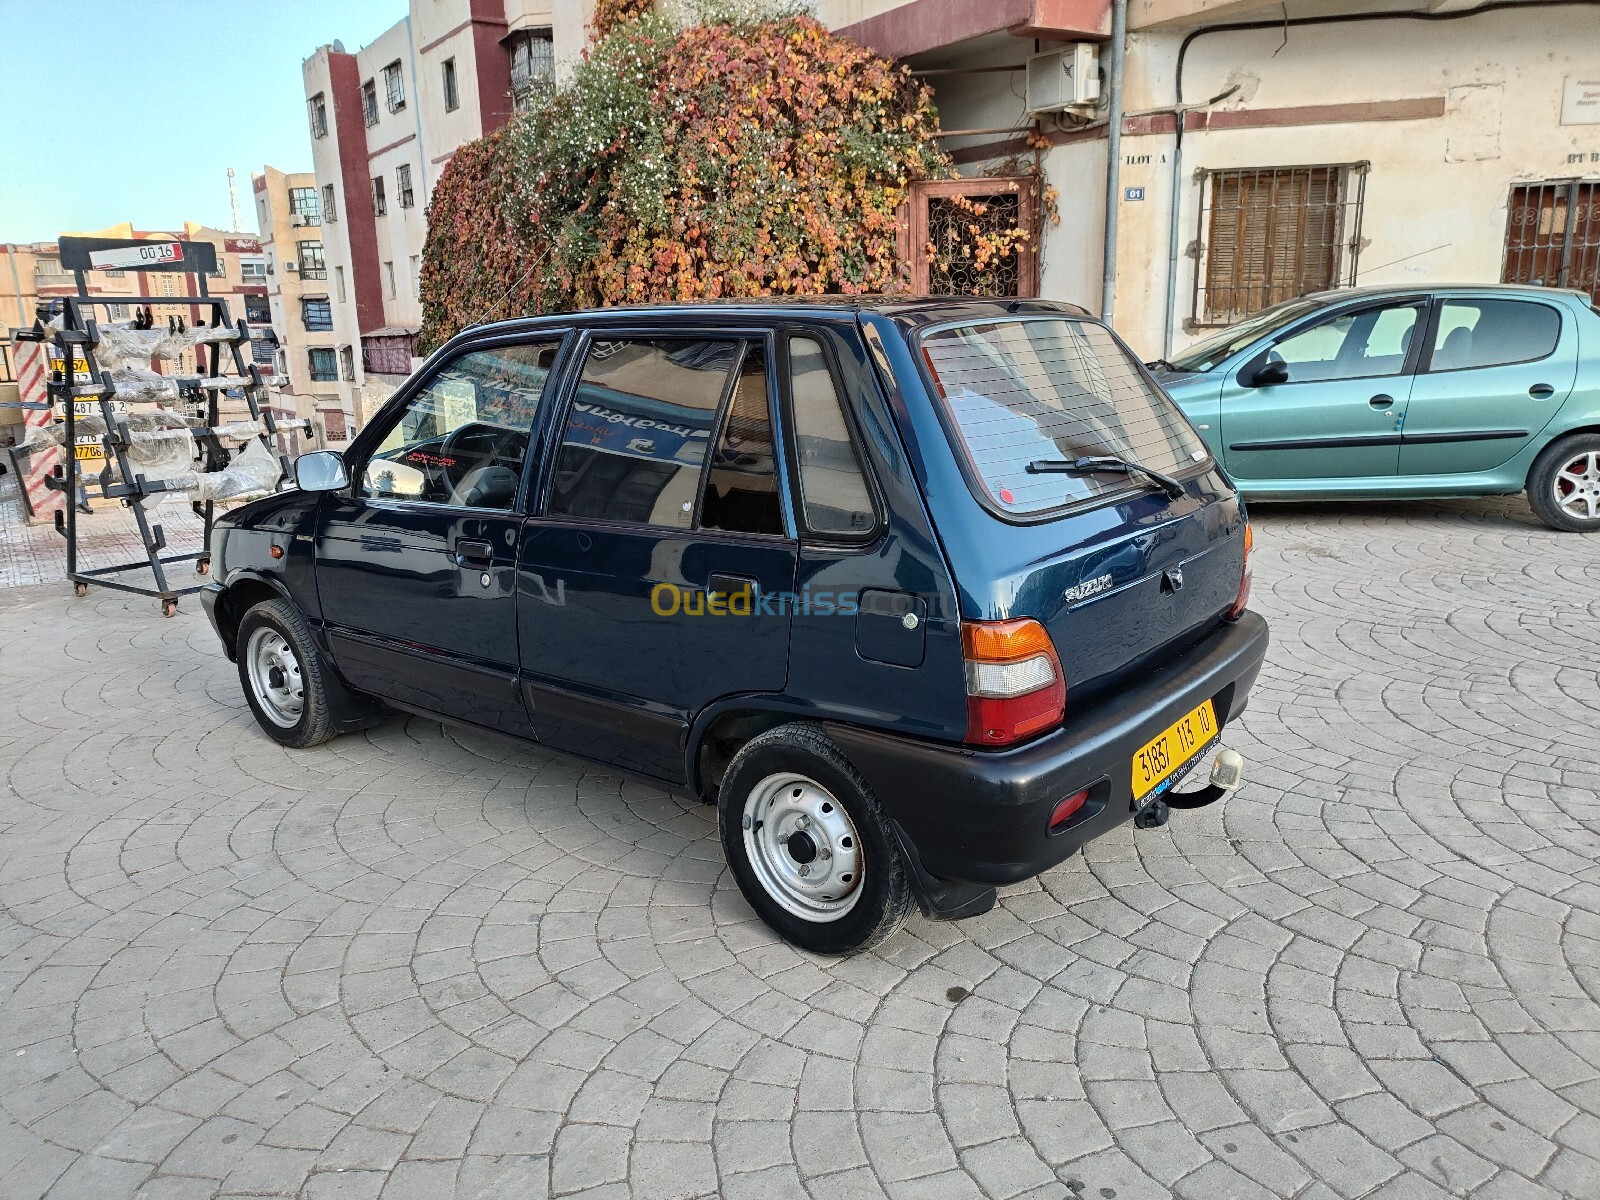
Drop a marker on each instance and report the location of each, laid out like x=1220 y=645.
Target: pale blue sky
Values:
x=163 y=96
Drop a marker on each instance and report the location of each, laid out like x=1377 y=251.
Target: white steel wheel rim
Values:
x=1577 y=487
x=275 y=677
x=803 y=847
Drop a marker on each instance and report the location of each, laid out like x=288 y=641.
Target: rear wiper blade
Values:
x=1160 y=364
x=1106 y=462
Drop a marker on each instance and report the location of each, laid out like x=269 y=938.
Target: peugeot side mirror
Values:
x=320 y=471
x=1269 y=374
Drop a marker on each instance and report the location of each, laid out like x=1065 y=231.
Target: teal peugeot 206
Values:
x=1418 y=392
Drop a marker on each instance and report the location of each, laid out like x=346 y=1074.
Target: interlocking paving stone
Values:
x=422 y=961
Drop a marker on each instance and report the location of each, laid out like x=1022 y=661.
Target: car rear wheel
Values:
x=282 y=675
x=808 y=844
x=1564 y=485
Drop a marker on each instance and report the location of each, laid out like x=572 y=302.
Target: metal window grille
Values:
x=317 y=315
x=394 y=87
x=312 y=263
x=402 y=185
x=533 y=58
x=948 y=231
x=330 y=212
x=347 y=364
x=324 y=367
x=1270 y=234
x=369 y=103
x=1553 y=235
x=380 y=203
x=303 y=203
x=318 y=107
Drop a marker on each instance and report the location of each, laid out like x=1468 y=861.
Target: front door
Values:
x=656 y=580
x=1339 y=415
x=1497 y=371
x=416 y=563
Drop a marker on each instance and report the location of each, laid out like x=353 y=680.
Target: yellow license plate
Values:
x=88 y=451
x=1163 y=756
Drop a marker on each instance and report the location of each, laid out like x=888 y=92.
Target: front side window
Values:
x=834 y=497
x=1360 y=345
x=462 y=439
x=1039 y=391
x=638 y=428
x=1493 y=333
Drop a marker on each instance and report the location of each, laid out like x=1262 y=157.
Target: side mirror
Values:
x=320 y=471
x=1269 y=374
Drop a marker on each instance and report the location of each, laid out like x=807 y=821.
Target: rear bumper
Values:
x=982 y=816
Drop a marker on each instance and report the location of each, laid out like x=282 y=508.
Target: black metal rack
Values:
x=78 y=337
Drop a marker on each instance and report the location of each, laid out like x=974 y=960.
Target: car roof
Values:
x=908 y=310
x=1377 y=291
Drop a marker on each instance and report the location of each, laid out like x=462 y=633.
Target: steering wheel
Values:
x=477 y=444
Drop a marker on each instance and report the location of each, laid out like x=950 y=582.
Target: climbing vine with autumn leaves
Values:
x=738 y=156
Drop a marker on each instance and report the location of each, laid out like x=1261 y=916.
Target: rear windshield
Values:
x=1018 y=391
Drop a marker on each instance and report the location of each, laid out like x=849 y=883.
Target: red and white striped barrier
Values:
x=32 y=364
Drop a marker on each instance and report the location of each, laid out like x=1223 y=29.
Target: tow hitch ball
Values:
x=1227 y=773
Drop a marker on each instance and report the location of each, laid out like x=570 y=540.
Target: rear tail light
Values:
x=1242 y=600
x=1015 y=686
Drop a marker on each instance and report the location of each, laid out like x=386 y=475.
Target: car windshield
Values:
x=1042 y=390
x=1219 y=347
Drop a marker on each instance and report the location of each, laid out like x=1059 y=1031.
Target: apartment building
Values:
x=1272 y=149
x=383 y=122
x=307 y=367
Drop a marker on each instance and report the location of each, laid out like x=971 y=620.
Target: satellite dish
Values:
x=338 y=46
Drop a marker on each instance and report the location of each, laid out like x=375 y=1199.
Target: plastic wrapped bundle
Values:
x=255 y=471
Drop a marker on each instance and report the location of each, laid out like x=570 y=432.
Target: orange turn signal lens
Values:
x=1004 y=641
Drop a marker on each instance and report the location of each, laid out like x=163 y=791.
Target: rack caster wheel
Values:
x=169 y=608
x=203 y=567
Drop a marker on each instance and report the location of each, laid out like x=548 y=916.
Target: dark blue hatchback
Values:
x=922 y=594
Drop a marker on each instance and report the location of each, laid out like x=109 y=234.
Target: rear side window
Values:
x=1493 y=333
x=1025 y=390
x=638 y=428
x=834 y=494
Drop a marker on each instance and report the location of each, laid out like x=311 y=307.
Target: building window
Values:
x=1273 y=233
x=253 y=270
x=257 y=311
x=533 y=59
x=303 y=206
x=452 y=96
x=330 y=213
x=369 y=103
x=388 y=277
x=220 y=271
x=402 y=185
x=324 y=366
x=117 y=312
x=416 y=275
x=312 y=263
x=1553 y=235
x=347 y=364
x=317 y=314
x=338 y=283
x=318 y=108
x=394 y=87
x=380 y=203
x=115 y=274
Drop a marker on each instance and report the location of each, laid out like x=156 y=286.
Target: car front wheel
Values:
x=1564 y=485
x=808 y=844
x=282 y=675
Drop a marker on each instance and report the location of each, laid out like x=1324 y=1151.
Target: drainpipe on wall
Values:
x=1119 y=41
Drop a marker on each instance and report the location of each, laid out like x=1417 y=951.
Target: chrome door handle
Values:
x=1541 y=391
x=1381 y=400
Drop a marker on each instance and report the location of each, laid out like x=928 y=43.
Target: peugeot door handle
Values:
x=1381 y=400
x=720 y=584
x=1541 y=391
x=477 y=555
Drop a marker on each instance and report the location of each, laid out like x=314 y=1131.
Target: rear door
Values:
x=1339 y=415
x=416 y=561
x=1496 y=372
x=655 y=581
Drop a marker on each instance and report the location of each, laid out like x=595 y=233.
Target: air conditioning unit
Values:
x=1064 y=79
x=302 y=219
x=291 y=266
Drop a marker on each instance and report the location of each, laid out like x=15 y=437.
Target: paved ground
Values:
x=421 y=962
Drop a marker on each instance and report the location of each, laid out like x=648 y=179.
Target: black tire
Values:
x=314 y=723
x=881 y=892
x=1544 y=481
